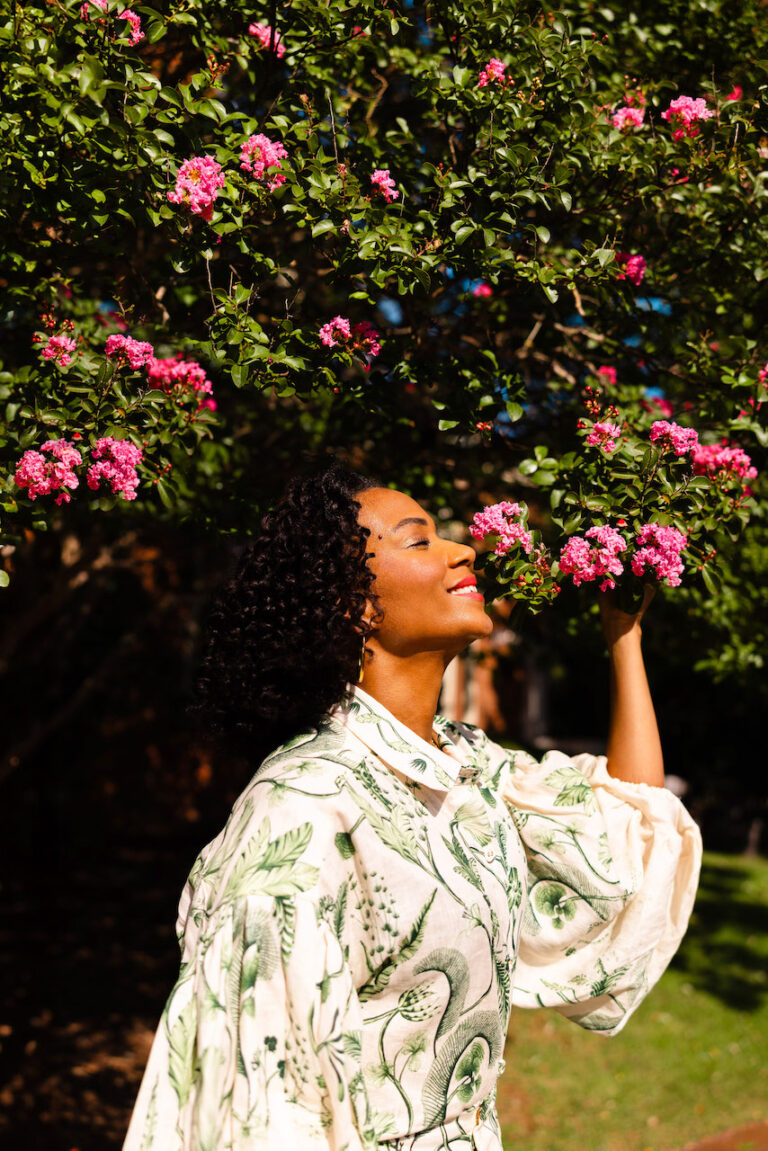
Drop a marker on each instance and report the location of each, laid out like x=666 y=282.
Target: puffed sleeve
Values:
x=259 y=1043
x=612 y=874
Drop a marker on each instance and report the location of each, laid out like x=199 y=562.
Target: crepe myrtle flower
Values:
x=502 y=520
x=385 y=184
x=684 y=113
x=493 y=70
x=267 y=38
x=632 y=267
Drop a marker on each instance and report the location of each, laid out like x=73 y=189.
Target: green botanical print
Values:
x=355 y=938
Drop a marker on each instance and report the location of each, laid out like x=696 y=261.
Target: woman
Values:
x=390 y=883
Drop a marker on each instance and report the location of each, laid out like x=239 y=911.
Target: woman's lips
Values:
x=466 y=588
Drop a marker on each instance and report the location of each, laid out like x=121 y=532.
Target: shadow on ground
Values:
x=725 y=952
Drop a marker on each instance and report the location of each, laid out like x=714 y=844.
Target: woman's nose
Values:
x=462 y=554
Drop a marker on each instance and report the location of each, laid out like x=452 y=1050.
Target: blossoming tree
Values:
x=479 y=246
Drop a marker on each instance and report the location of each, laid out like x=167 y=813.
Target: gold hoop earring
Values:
x=361 y=668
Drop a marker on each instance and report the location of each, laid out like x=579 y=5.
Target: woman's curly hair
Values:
x=286 y=633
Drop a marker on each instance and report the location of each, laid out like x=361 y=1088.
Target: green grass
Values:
x=692 y=1061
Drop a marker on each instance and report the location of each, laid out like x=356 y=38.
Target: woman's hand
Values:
x=617 y=623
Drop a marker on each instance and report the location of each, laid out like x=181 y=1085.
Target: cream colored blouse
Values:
x=355 y=938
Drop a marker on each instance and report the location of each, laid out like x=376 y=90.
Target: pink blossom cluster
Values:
x=633 y=267
x=587 y=561
x=482 y=289
x=336 y=330
x=197 y=185
x=366 y=338
x=363 y=337
x=659 y=402
x=658 y=553
x=502 y=520
x=494 y=70
x=604 y=434
x=684 y=114
x=177 y=375
x=627 y=117
x=116 y=462
x=264 y=34
x=258 y=154
x=724 y=459
x=60 y=349
x=43 y=476
x=736 y=94
x=763 y=375
x=125 y=349
x=608 y=374
x=384 y=183
x=85 y=9
x=135 y=35
x=670 y=435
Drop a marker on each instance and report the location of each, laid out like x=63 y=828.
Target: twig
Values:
x=333 y=128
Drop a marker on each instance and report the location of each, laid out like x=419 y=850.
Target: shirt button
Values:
x=501 y=1066
x=490 y=853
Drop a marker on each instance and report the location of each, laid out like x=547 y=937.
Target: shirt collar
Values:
x=401 y=748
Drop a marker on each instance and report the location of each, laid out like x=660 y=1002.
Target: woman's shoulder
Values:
x=283 y=824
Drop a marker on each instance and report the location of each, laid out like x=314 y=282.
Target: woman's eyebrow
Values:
x=410 y=520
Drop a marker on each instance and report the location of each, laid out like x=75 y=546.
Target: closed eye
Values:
x=424 y=542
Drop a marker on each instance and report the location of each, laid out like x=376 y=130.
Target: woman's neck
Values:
x=408 y=687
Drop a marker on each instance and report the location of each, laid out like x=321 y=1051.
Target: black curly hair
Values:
x=286 y=633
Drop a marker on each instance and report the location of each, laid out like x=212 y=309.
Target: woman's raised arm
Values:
x=634 y=748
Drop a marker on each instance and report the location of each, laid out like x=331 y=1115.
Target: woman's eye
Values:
x=420 y=543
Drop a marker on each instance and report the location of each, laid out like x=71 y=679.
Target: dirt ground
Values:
x=751 y=1137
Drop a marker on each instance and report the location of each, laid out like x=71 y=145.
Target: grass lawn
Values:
x=692 y=1061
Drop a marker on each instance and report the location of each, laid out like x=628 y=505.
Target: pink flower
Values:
x=723 y=461
x=608 y=374
x=658 y=553
x=384 y=183
x=116 y=465
x=366 y=339
x=763 y=374
x=363 y=338
x=494 y=70
x=176 y=375
x=85 y=9
x=502 y=520
x=125 y=349
x=197 y=185
x=42 y=476
x=136 y=34
x=663 y=405
x=684 y=113
x=335 y=328
x=736 y=94
x=599 y=560
x=265 y=36
x=604 y=435
x=633 y=269
x=670 y=435
x=482 y=289
x=628 y=117
x=60 y=349
x=258 y=154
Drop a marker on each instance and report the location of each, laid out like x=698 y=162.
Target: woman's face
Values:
x=424 y=584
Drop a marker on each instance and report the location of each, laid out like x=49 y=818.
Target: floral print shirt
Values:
x=355 y=938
